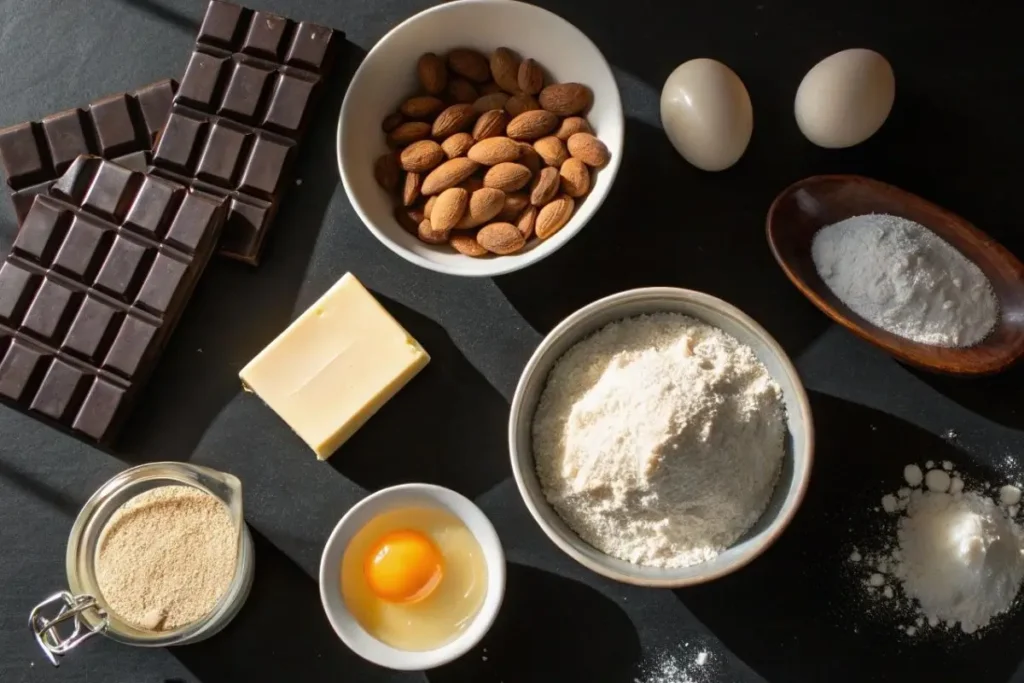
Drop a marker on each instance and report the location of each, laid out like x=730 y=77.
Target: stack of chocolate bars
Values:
x=122 y=203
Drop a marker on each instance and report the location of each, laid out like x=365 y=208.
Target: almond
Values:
x=467 y=244
x=391 y=121
x=448 y=174
x=425 y=231
x=565 y=99
x=529 y=158
x=575 y=178
x=490 y=87
x=472 y=184
x=507 y=176
x=551 y=150
x=515 y=203
x=432 y=73
x=449 y=208
x=500 y=238
x=461 y=91
x=386 y=170
x=422 y=107
x=469 y=64
x=409 y=219
x=429 y=206
x=571 y=126
x=484 y=205
x=491 y=151
x=588 y=149
x=554 y=215
x=457 y=145
x=411 y=131
x=452 y=120
x=411 y=188
x=505 y=69
x=531 y=125
x=526 y=222
x=495 y=100
x=544 y=187
x=490 y=124
x=530 y=77
x=517 y=104
x=421 y=156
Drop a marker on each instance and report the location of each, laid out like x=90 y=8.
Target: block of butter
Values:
x=335 y=366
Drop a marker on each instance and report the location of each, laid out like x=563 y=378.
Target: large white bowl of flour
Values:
x=698 y=506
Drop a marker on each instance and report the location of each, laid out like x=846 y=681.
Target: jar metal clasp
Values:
x=44 y=628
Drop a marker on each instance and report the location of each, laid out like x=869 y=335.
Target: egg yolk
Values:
x=403 y=566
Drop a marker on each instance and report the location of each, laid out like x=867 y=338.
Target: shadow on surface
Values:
x=446 y=427
x=798 y=613
x=998 y=398
x=39 y=489
x=236 y=309
x=549 y=629
x=165 y=14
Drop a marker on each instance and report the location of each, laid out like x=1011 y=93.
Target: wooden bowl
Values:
x=812 y=203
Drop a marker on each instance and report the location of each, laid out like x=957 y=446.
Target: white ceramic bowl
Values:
x=414 y=495
x=799 y=444
x=388 y=75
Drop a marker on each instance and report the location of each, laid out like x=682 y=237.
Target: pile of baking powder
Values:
x=659 y=439
x=904 y=278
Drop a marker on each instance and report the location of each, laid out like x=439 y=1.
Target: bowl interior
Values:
x=798 y=443
x=407 y=495
x=388 y=75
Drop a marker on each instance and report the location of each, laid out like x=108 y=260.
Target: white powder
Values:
x=659 y=439
x=904 y=278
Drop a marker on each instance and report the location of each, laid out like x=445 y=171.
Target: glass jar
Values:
x=82 y=608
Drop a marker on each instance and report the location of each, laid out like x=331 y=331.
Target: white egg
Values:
x=845 y=98
x=706 y=113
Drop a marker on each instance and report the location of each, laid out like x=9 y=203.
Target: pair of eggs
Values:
x=841 y=102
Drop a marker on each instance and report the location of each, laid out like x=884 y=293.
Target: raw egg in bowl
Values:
x=412 y=576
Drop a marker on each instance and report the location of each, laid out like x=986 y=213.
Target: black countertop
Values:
x=954 y=137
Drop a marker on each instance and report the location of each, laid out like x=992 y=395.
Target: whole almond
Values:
x=461 y=91
x=515 y=203
x=467 y=244
x=517 y=104
x=408 y=132
x=484 y=205
x=588 y=149
x=492 y=151
x=448 y=174
x=455 y=118
x=386 y=170
x=505 y=69
x=544 y=187
x=411 y=188
x=490 y=87
x=507 y=176
x=495 y=100
x=526 y=221
x=426 y=232
x=501 y=238
x=457 y=145
x=530 y=77
x=529 y=158
x=565 y=99
x=422 y=107
x=409 y=219
x=421 y=156
x=575 y=177
x=472 y=184
x=449 y=208
x=432 y=73
x=469 y=64
x=572 y=125
x=554 y=215
x=429 y=206
x=551 y=150
x=490 y=124
x=532 y=125
x=391 y=121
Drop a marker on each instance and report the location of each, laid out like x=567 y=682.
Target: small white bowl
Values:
x=410 y=495
x=388 y=75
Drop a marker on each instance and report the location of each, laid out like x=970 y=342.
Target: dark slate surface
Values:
x=954 y=137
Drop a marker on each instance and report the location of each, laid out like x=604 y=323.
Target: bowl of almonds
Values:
x=479 y=136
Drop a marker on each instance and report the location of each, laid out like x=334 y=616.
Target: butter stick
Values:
x=335 y=366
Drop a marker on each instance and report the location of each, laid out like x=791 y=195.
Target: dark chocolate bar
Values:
x=120 y=128
x=242 y=108
x=95 y=282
